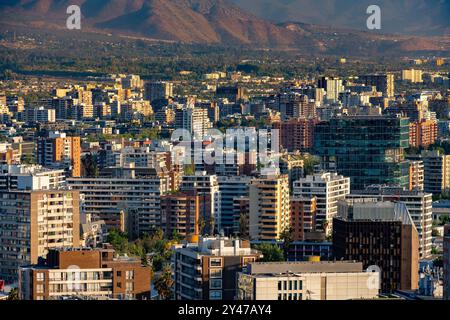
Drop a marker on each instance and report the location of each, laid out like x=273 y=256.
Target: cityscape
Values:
x=214 y=150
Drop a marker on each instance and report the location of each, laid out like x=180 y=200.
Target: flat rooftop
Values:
x=283 y=268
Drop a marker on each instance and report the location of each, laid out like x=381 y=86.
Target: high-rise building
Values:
x=60 y=151
x=436 y=172
x=132 y=192
x=296 y=134
x=340 y=280
x=207 y=188
x=328 y=188
x=194 y=120
x=33 y=222
x=423 y=133
x=303 y=217
x=368 y=149
x=383 y=82
x=231 y=187
x=419 y=205
x=333 y=87
x=413 y=76
x=180 y=213
x=85 y=273
x=233 y=94
x=269 y=207
x=158 y=90
x=416 y=175
x=381 y=235
x=447 y=262
x=40 y=115
x=30 y=177
x=207 y=270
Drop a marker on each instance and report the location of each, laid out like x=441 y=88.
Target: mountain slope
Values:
x=212 y=22
x=411 y=17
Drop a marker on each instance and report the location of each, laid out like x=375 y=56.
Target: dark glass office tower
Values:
x=368 y=149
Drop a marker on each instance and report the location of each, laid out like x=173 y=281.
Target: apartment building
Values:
x=207 y=270
x=180 y=213
x=32 y=223
x=423 y=133
x=207 y=187
x=30 y=177
x=436 y=172
x=60 y=151
x=328 y=188
x=342 y=280
x=303 y=216
x=194 y=120
x=231 y=187
x=93 y=273
x=134 y=192
x=416 y=175
x=269 y=207
x=296 y=134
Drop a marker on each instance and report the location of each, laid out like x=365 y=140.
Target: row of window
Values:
x=290 y=285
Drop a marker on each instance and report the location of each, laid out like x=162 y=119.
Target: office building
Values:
x=342 y=280
x=269 y=207
x=328 y=188
x=368 y=149
x=380 y=234
x=419 y=205
x=207 y=270
x=40 y=115
x=32 y=223
x=85 y=273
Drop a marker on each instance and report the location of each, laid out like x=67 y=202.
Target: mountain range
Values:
x=410 y=17
x=213 y=22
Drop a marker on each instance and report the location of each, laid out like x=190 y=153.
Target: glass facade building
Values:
x=368 y=149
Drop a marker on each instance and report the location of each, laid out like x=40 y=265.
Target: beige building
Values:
x=329 y=188
x=307 y=281
x=436 y=172
x=414 y=76
x=269 y=207
x=32 y=222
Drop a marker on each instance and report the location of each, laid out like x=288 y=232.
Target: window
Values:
x=215 y=262
x=130 y=286
x=215 y=284
x=295 y=285
x=119 y=285
x=279 y=285
x=301 y=284
x=40 y=276
x=215 y=295
x=290 y=285
x=129 y=275
x=39 y=288
x=285 y=285
x=215 y=273
x=119 y=273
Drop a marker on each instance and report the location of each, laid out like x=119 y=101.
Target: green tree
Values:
x=119 y=241
x=287 y=236
x=271 y=252
x=14 y=294
x=164 y=283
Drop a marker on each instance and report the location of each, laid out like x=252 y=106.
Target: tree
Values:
x=14 y=294
x=164 y=283
x=243 y=226
x=287 y=236
x=119 y=241
x=270 y=252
